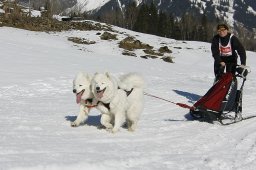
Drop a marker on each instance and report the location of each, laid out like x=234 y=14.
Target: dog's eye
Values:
x=80 y=85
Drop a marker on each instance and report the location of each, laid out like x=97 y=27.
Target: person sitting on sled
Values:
x=225 y=49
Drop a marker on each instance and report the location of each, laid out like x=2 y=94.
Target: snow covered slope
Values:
x=37 y=105
x=88 y=5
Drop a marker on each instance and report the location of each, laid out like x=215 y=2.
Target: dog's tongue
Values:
x=78 y=97
x=100 y=94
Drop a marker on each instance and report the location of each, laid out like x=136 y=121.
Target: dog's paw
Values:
x=109 y=130
x=108 y=125
x=74 y=124
x=114 y=130
x=130 y=129
x=101 y=127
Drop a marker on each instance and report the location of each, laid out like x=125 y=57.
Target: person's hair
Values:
x=222 y=26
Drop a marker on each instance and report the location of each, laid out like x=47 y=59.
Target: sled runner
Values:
x=223 y=101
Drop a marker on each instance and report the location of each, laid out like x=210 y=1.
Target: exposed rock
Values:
x=164 y=49
x=45 y=24
x=129 y=53
x=80 y=40
x=149 y=56
x=168 y=59
x=108 y=36
x=177 y=47
x=130 y=43
x=152 y=52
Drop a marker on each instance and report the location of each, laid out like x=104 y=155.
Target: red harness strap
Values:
x=87 y=103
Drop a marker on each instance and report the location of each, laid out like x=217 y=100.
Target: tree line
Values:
x=148 y=19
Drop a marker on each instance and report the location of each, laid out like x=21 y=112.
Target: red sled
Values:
x=222 y=102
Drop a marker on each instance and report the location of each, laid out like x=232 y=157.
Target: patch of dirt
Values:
x=47 y=25
x=164 y=49
x=130 y=43
x=108 y=36
x=168 y=59
x=78 y=40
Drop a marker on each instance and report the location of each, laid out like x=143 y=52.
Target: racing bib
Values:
x=226 y=50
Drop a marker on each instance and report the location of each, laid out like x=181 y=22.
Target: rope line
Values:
x=179 y=104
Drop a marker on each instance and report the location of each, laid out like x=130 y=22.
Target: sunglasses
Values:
x=221 y=30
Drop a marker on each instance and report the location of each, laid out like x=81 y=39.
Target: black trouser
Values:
x=219 y=70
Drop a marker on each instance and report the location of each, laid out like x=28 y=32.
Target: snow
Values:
x=251 y=10
x=228 y=14
x=120 y=6
x=88 y=5
x=34 y=13
x=37 y=105
x=138 y=2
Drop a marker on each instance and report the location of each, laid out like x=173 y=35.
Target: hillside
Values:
x=234 y=12
x=37 y=106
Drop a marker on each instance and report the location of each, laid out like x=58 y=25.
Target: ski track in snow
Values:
x=37 y=109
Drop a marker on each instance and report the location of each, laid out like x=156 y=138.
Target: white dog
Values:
x=84 y=97
x=134 y=86
x=119 y=100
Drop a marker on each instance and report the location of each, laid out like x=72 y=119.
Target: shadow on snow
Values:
x=91 y=121
x=192 y=98
x=95 y=120
x=187 y=117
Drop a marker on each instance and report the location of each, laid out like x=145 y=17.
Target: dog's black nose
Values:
x=74 y=90
x=97 y=88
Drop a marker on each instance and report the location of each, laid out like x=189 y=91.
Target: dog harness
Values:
x=88 y=103
x=128 y=92
x=107 y=105
x=89 y=100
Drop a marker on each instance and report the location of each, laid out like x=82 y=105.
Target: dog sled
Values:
x=223 y=101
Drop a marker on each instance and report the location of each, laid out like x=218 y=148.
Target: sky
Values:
x=37 y=106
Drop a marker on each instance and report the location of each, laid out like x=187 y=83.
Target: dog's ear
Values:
x=80 y=74
x=107 y=74
x=88 y=76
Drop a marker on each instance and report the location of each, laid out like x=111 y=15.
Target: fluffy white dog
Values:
x=134 y=86
x=84 y=97
x=119 y=100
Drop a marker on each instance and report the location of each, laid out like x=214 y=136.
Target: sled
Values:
x=223 y=101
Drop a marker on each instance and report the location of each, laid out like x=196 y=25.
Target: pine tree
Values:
x=141 y=24
x=172 y=25
x=131 y=14
x=176 y=34
x=152 y=19
x=164 y=25
x=205 y=28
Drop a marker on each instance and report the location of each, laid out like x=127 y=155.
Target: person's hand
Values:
x=222 y=64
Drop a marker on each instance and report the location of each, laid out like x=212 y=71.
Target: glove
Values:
x=243 y=71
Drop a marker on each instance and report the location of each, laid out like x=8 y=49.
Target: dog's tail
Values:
x=131 y=80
